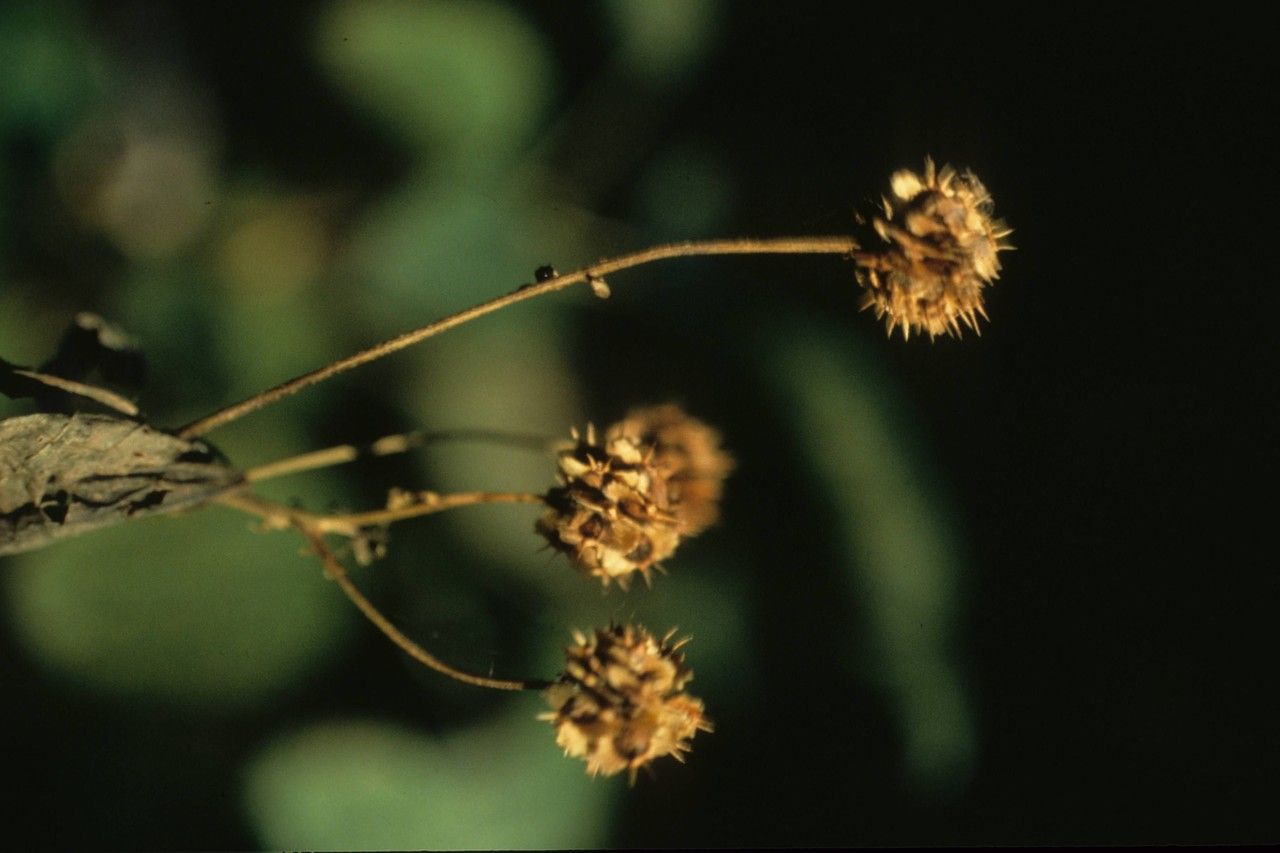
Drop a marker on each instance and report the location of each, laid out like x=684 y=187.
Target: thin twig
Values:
x=274 y=516
x=101 y=395
x=838 y=245
x=279 y=517
x=427 y=506
x=387 y=446
x=336 y=572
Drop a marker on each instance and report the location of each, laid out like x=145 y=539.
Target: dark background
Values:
x=1093 y=447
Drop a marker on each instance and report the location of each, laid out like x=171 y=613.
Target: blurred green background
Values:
x=956 y=595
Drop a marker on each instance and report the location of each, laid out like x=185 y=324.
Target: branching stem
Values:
x=314 y=527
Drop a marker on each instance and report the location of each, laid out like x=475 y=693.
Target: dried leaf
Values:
x=61 y=475
x=89 y=344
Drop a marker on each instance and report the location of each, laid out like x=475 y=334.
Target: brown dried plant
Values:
x=941 y=247
x=621 y=702
x=624 y=500
x=624 y=503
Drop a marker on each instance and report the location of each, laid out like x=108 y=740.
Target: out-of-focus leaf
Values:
x=355 y=785
x=5 y=213
x=29 y=326
x=47 y=77
x=904 y=558
x=439 y=246
x=263 y=341
x=91 y=343
x=166 y=307
x=687 y=190
x=663 y=40
x=148 y=189
x=472 y=78
x=192 y=610
x=275 y=246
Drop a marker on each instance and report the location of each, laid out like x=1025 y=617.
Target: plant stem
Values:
x=278 y=517
x=336 y=572
x=387 y=446
x=274 y=516
x=428 y=506
x=838 y=245
x=104 y=396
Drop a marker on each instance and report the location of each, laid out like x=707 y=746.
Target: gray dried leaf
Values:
x=62 y=475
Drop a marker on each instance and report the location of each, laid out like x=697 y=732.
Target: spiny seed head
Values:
x=687 y=453
x=941 y=243
x=620 y=703
x=612 y=513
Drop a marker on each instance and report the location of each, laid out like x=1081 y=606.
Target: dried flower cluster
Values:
x=620 y=703
x=625 y=502
x=612 y=514
x=687 y=453
x=941 y=246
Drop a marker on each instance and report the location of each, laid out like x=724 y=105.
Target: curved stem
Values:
x=591 y=274
x=386 y=446
x=104 y=396
x=336 y=572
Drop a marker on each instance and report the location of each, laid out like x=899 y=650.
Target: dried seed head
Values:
x=941 y=245
x=612 y=513
x=687 y=453
x=620 y=703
